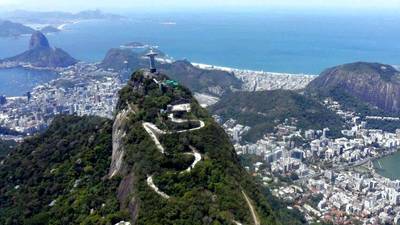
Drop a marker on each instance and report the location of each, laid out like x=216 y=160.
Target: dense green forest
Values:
x=200 y=80
x=6 y=146
x=58 y=177
x=362 y=108
x=61 y=176
x=263 y=110
x=211 y=192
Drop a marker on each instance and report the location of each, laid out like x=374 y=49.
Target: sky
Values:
x=160 y=5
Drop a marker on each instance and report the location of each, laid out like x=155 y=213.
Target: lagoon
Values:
x=18 y=81
x=389 y=166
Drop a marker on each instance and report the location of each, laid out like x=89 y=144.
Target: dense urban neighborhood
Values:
x=329 y=179
x=82 y=89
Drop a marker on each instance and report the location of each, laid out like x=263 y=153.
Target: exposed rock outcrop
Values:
x=373 y=83
x=119 y=132
x=38 y=40
x=40 y=54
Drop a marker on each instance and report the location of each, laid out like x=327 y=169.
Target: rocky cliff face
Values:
x=373 y=83
x=118 y=134
x=40 y=54
x=38 y=40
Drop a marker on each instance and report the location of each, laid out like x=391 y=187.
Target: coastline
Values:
x=62 y=27
x=238 y=70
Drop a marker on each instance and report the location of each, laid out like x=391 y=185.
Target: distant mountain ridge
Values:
x=51 y=17
x=8 y=28
x=375 y=84
x=41 y=54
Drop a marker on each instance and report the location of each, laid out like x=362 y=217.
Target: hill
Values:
x=263 y=110
x=8 y=29
x=58 y=177
x=123 y=59
x=215 y=82
x=40 y=54
x=212 y=82
x=49 y=29
x=170 y=164
x=183 y=166
x=368 y=88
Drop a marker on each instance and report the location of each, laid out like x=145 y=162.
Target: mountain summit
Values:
x=377 y=85
x=162 y=160
x=41 y=54
x=38 y=40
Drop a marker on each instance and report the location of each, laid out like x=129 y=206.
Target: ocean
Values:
x=292 y=42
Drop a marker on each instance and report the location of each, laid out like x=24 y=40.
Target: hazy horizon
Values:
x=181 y=5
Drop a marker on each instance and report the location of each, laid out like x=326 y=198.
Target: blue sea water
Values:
x=293 y=42
x=18 y=81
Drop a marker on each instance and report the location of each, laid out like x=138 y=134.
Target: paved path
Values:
x=175 y=120
x=253 y=212
x=197 y=158
x=150 y=182
x=154 y=132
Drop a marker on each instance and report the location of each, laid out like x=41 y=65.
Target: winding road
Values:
x=150 y=182
x=154 y=132
x=197 y=158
